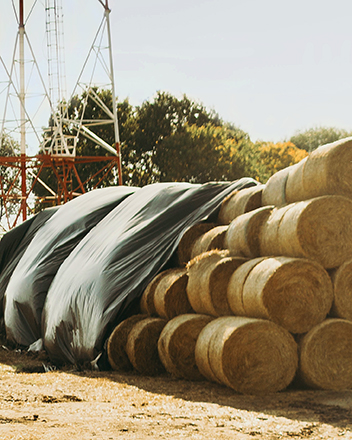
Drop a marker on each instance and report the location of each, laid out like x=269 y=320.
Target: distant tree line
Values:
x=178 y=139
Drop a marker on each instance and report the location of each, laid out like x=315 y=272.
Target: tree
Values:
x=274 y=157
x=203 y=153
x=156 y=121
x=311 y=139
x=10 y=183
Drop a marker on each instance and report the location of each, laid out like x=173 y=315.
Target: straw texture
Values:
x=326 y=355
x=239 y=202
x=292 y=292
x=177 y=344
x=208 y=277
x=170 y=297
x=243 y=234
x=116 y=345
x=327 y=170
x=249 y=355
x=142 y=346
x=212 y=239
x=342 y=282
x=319 y=229
x=185 y=245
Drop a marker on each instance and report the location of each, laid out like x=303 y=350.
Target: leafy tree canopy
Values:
x=311 y=139
x=274 y=157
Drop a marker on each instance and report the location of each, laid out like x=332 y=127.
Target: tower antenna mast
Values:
x=22 y=97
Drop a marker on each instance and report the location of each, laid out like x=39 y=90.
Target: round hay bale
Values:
x=326 y=171
x=251 y=356
x=242 y=235
x=295 y=293
x=199 y=284
x=342 y=283
x=116 y=344
x=269 y=232
x=325 y=355
x=142 y=346
x=147 y=304
x=185 y=245
x=239 y=202
x=235 y=286
x=170 y=297
x=177 y=344
x=202 y=348
x=212 y=239
x=319 y=229
x=275 y=188
x=294 y=191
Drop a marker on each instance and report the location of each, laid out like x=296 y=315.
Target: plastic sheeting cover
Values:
x=111 y=266
x=27 y=288
x=15 y=242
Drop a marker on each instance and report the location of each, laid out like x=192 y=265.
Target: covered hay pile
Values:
x=269 y=285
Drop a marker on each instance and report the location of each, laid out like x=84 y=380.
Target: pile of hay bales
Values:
x=263 y=297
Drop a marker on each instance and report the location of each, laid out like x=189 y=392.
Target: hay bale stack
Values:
x=239 y=202
x=116 y=344
x=294 y=293
x=147 y=304
x=208 y=277
x=185 y=245
x=142 y=346
x=249 y=355
x=177 y=344
x=212 y=239
x=319 y=229
x=274 y=192
x=242 y=235
x=342 y=283
x=170 y=296
x=235 y=286
x=326 y=355
x=327 y=170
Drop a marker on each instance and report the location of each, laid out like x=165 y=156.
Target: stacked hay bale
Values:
x=266 y=290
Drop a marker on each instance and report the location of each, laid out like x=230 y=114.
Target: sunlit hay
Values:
x=239 y=202
x=274 y=190
x=294 y=191
x=198 y=278
x=202 y=348
x=170 y=297
x=147 y=304
x=235 y=286
x=116 y=344
x=342 y=282
x=142 y=346
x=319 y=229
x=185 y=245
x=212 y=239
x=326 y=355
x=252 y=356
x=242 y=235
x=216 y=301
x=327 y=170
x=269 y=232
x=177 y=344
x=295 y=293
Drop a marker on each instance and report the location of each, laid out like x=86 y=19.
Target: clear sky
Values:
x=270 y=67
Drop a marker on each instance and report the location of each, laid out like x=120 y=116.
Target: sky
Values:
x=271 y=68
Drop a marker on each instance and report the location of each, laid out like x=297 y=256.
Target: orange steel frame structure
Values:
x=16 y=193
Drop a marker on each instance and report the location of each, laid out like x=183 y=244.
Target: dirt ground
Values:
x=84 y=405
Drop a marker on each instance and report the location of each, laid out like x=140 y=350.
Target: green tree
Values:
x=204 y=153
x=156 y=121
x=311 y=139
